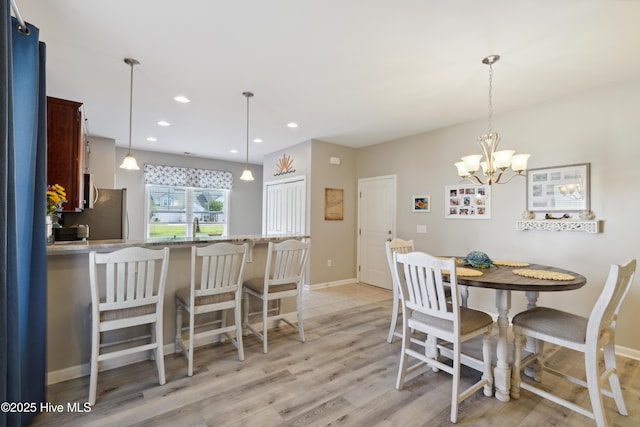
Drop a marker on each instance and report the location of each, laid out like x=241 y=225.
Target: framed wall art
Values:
x=559 y=188
x=464 y=201
x=421 y=203
x=333 y=204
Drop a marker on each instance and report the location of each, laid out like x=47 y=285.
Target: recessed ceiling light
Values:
x=292 y=125
x=181 y=99
x=163 y=123
x=234 y=151
x=151 y=139
x=257 y=140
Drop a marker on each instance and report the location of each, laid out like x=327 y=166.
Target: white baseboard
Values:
x=78 y=371
x=628 y=352
x=330 y=284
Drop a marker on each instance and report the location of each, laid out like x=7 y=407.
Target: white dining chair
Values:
x=219 y=288
x=132 y=282
x=581 y=334
x=427 y=309
x=391 y=247
x=283 y=278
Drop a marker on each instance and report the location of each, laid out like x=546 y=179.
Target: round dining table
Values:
x=503 y=280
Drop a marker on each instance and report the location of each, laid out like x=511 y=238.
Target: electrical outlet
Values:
x=328 y=263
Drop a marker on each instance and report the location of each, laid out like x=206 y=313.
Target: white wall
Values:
x=599 y=127
x=245 y=212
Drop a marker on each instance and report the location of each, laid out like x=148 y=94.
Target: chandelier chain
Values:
x=490 y=118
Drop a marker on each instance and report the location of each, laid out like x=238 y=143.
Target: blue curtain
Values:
x=23 y=262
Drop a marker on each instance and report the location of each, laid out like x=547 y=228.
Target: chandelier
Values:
x=496 y=163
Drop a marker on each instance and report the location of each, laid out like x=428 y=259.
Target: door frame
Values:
x=393 y=212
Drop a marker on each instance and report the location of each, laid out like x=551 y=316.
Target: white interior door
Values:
x=377 y=220
x=285 y=206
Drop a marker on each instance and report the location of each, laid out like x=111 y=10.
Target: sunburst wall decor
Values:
x=284 y=165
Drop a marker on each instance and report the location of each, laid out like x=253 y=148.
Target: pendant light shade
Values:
x=129 y=162
x=246 y=174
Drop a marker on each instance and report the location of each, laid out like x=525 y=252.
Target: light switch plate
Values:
x=421 y=229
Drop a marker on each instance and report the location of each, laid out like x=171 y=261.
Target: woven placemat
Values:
x=508 y=263
x=543 y=274
x=465 y=272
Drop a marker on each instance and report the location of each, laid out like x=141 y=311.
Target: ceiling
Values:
x=355 y=72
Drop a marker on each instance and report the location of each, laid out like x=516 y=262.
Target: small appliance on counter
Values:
x=75 y=232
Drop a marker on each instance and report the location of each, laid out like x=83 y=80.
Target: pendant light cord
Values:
x=247 y=95
x=130 y=107
x=247 y=162
x=131 y=62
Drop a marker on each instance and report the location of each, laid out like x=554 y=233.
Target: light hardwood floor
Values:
x=344 y=374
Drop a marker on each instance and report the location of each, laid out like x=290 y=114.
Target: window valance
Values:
x=187 y=177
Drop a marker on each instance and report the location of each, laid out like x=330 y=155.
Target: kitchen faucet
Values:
x=196 y=226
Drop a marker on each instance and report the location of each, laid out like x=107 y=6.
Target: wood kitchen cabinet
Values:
x=65 y=150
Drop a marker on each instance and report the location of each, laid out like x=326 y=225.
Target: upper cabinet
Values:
x=65 y=149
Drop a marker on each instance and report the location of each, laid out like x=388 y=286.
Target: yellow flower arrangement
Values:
x=56 y=196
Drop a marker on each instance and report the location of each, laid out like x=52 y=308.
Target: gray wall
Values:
x=333 y=240
x=245 y=213
x=102 y=161
x=599 y=127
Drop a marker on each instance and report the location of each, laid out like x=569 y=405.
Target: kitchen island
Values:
x=69 y=295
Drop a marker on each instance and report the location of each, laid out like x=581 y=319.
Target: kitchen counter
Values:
x=86 y=246
x=69 y=296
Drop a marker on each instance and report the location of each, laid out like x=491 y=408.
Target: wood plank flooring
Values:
x=343 y=375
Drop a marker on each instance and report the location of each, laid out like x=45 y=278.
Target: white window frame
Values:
x=188 y=208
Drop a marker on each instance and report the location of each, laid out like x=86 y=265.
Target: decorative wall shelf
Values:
x=560 y=225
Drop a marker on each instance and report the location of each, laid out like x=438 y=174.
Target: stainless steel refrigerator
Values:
x=108 y=217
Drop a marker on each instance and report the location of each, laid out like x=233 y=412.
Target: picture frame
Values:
x=333 y=204
x=467 y=201
x=421 y=203
x=559 y=188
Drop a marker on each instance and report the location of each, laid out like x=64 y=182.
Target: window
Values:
x=172 y=211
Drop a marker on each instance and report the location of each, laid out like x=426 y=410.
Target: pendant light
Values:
x=129 y=161
x=246 y=174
